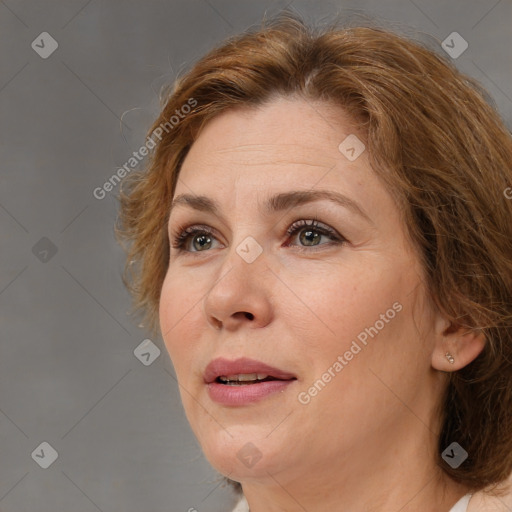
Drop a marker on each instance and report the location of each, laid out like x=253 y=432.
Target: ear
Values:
x=455 y=346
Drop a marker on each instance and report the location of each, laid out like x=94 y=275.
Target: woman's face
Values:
x=338 y=306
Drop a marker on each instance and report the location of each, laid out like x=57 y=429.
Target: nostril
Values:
x=250 y=316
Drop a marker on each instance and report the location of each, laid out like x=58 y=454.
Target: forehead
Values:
x=286 y=139
x=303 y=125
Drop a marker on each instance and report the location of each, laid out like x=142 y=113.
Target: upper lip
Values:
x=220 y=366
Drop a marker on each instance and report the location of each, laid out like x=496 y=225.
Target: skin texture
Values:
x=367 y=440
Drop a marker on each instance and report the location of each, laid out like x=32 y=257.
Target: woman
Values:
x=325 y=238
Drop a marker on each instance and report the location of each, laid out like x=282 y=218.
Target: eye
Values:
x=311 y=232
x=202 y=234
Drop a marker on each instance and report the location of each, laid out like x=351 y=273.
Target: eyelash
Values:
x=179 y=240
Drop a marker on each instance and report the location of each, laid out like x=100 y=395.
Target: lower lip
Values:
x=246 y=393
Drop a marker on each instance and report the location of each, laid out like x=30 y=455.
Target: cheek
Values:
x=178 y=315
x=167 y=312
x=338 y=304
x=364 y=316
x=366 y=320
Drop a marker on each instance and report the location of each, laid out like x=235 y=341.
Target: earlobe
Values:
x=456 y=347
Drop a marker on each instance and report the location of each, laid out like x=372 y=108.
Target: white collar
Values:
x=462 y=504
x=242 y=505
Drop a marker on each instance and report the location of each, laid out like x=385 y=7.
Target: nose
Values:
x=241 y=295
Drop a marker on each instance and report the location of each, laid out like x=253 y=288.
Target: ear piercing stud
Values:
x=450 y=358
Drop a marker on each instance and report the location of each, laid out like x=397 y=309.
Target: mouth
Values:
x=244 y=381
x=243 y=372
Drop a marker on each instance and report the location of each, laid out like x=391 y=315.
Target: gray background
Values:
x=68 y=372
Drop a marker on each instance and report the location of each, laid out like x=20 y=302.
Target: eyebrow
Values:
x=276 y=203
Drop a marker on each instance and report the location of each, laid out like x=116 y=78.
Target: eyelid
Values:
x=326 y=230
x=187 y=230
x=181 y=235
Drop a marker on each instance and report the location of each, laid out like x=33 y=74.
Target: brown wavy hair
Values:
x=443 y=152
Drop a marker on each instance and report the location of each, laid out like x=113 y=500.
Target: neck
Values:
x=433 y=494
x=376 y=478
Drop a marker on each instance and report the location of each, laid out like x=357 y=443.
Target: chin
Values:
x=246 y=453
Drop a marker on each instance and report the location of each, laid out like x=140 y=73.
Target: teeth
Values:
x=243 y=377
